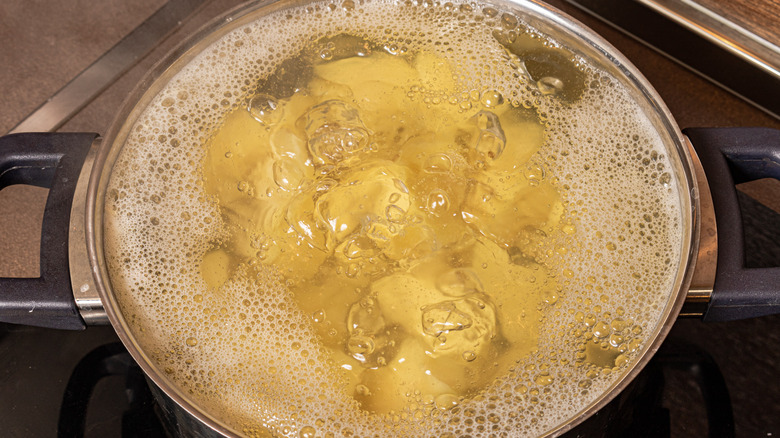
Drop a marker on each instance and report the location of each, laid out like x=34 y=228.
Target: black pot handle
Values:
x=51 y=160
x=731 y=156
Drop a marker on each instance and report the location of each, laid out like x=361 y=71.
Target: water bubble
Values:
x=395 y=214
x=534 y=174
x=543 y=379
x=469 y=356
x=550 y=85
x=665 y=179
x=287 y=174
x=491 y=98
x=360 y=247
x=318 y=316
x=362 y=390
x=263 y=108
x=508 y=21
x=438 y=163
x=326 y=54
x=307 y=432
x=490 y=12
x=446 y=401
x=437 y=203
x=444 y=317
x=456 y=326
x=601 y=330
x=618 y=324
x=400 y=185
x=491 y=140
x=335 y=131
x=360 y=346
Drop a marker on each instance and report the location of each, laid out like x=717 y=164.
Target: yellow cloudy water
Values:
x=387 y=218
x=414 y=301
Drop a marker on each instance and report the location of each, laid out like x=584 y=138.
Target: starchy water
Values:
x=417 y=218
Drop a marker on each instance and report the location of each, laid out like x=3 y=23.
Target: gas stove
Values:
x=59 y=383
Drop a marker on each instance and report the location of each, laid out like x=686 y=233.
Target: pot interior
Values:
x=350 y=217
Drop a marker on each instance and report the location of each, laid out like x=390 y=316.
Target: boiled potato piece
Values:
x=391 y=388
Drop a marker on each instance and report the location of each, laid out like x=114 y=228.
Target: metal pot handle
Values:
x=731 y=156
x=54 y=161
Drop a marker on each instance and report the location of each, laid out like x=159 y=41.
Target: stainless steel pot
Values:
x=54 y=160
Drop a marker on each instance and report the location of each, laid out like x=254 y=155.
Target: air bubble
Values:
x=263 y=108
x=665 y=179
x=438 y=163
x=550 y=85
x=318 y=316
x=491 y=99
x=395 y=214
x=288 y=174
x=446 y=401
x=362 y=390
x=438 y=202
x=307 y=432
x=543 y=380
x=335 y=131
x=491 y=139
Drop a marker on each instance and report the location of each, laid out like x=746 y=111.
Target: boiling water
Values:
x=419 y=219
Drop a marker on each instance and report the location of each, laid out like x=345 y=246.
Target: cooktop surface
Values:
x=47 y=44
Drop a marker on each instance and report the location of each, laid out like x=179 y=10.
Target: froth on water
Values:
x=351 y=218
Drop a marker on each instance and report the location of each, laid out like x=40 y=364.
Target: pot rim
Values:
x=137 y=101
